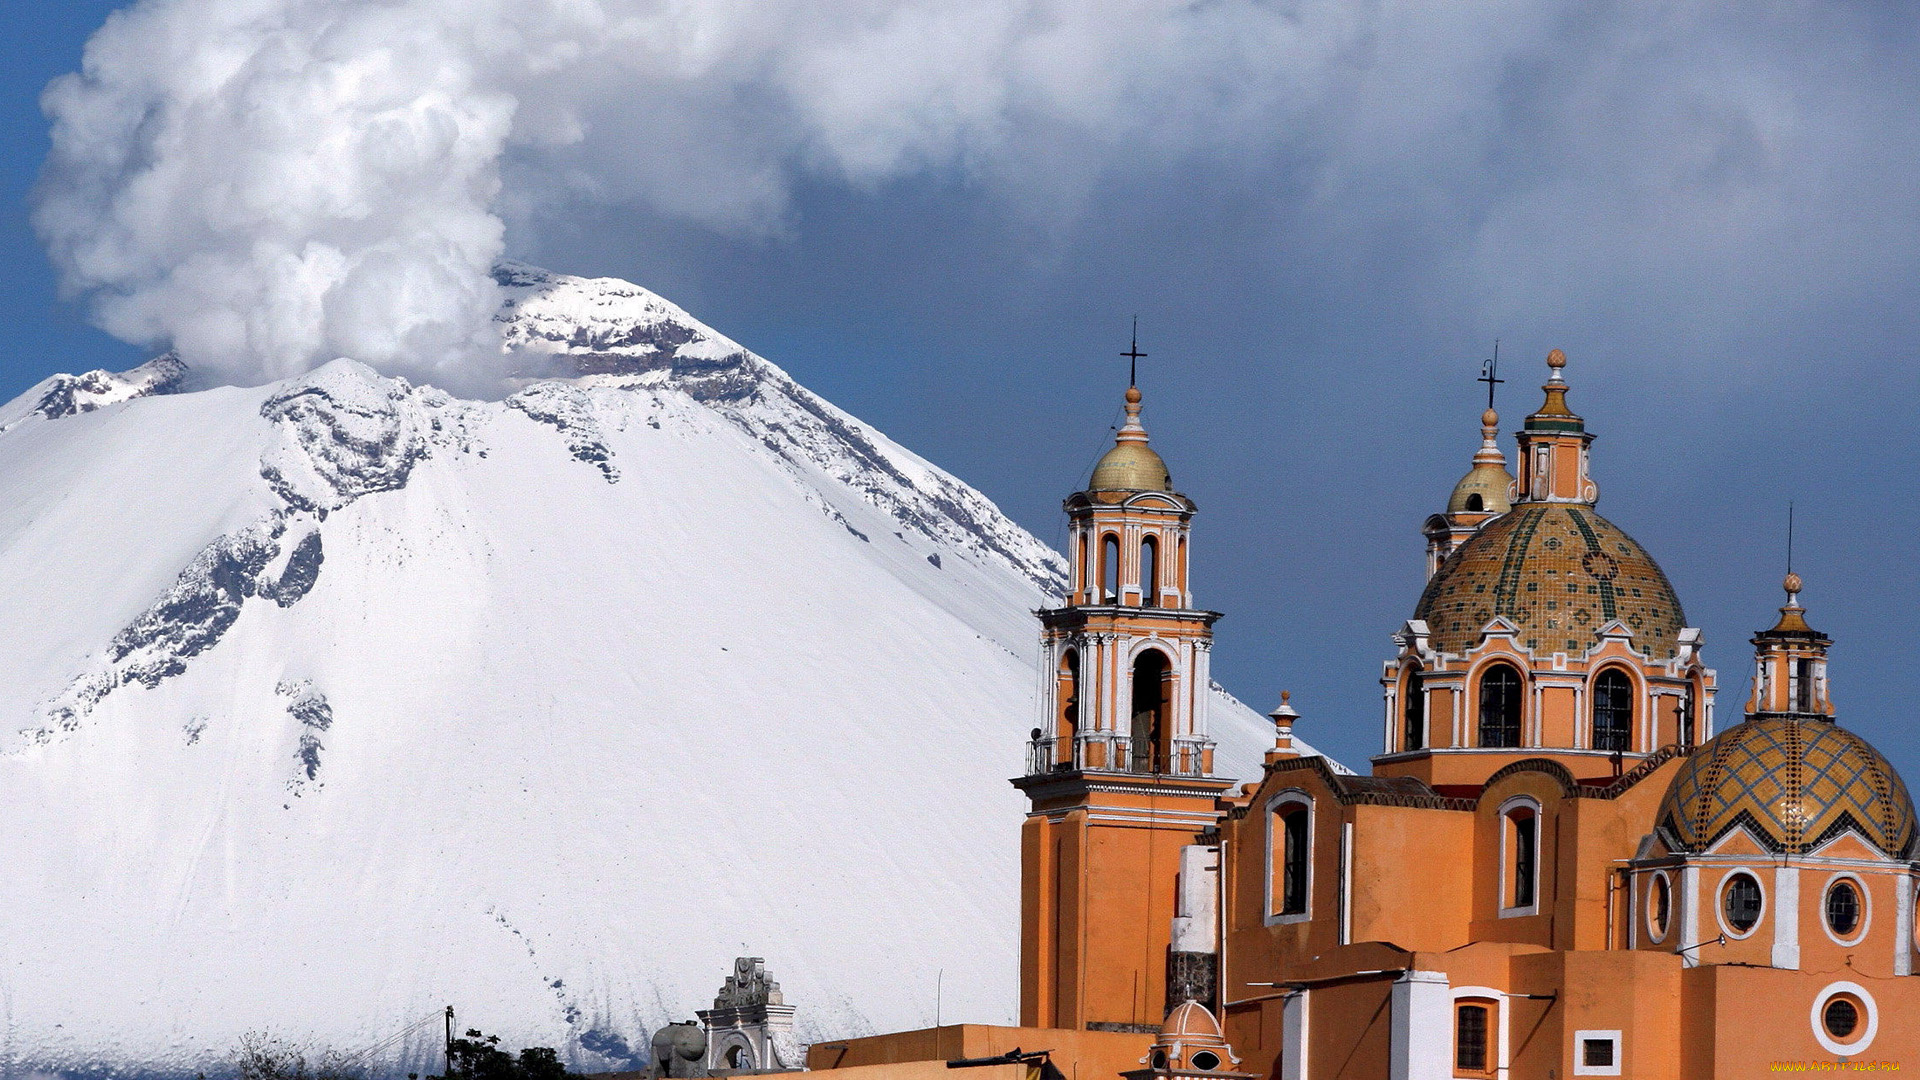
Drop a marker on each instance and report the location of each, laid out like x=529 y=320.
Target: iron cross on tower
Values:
x=1489 y=372
x=1133 y=355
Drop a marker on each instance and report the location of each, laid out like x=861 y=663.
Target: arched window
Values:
x=1110 y=570
x=1475 y=504
x=1803 y=685
x=1068 y=724
x=1613 y=711
x=1414 y=711
x=1687 y=714
x=1520 y=858
x=1151 y=674
x=1473 y=1049
x=1085 y=584
x=1149 y=572
x=1500 y=706
x=1289 y=857
x=1180 y=571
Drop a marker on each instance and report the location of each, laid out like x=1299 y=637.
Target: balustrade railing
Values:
x=1112 y=752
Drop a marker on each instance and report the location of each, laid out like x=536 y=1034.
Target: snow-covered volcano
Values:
x=334 y=701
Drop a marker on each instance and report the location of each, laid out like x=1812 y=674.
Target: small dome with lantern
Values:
x=1788 y=773
x=1131 y=465
x=1794 y=782
x=1484 y=490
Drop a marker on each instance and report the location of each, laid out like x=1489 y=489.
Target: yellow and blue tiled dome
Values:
x=1795 y=782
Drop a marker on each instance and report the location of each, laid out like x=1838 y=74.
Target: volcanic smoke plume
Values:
x=268 y=184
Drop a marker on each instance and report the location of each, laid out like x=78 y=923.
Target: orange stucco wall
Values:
x=1081 y=1055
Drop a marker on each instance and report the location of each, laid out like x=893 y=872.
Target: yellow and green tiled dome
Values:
x=1559 y=572
x=1795 y=782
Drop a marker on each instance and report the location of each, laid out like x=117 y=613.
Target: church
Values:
x=1561 y=865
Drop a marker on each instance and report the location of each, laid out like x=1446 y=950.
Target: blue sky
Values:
x=1323 y=218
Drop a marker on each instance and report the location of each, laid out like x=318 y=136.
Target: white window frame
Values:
x=1506 y=856
x=1871 y=1021
x=1496 y=1030
x=1866 y=908
x=1673 y=907
x=1720 y=902
x=1580 y=1040
x=1291 y=796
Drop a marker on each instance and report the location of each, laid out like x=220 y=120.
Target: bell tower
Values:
x=1120 y=767
x=1790 y=665
x=1553 y=447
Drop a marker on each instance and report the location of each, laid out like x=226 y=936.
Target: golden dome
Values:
x=1490 y=482
x=1559 y=572
x=1489 y=478
x=1131 y=465
x=1795 y=782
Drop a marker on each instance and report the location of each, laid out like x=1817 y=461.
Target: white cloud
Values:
x=267 y=184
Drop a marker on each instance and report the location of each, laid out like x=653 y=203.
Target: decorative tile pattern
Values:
x=1560 y=572
x=1795 y=783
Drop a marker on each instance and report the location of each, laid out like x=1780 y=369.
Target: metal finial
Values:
x=1133 y=355
x=1789 y=536
x=1489 y=373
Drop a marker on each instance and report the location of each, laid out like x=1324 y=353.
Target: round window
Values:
x=1159 y=1059
x=1742 y=902
x=1206 y=1061
x=1841 y=1016
x=1843 y=908
x=1662 y=905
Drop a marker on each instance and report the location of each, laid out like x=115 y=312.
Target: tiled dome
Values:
x=1795 y=782
x=1559 y=572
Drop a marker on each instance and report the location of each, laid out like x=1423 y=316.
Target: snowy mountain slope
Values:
x=334 y=701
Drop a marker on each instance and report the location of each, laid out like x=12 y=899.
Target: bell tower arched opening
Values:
x=1110 y=570
x=1067 y=731
x=1149 y=572
x=1152 y=696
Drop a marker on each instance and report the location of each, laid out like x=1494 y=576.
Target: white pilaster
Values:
x=1293 y=1036
x=1422 y=1027
x=1687 y=934
x=1786 y=917
x=1346 y=883
x=1902 y=926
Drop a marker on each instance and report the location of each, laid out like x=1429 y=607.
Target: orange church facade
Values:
x=1556 y=867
